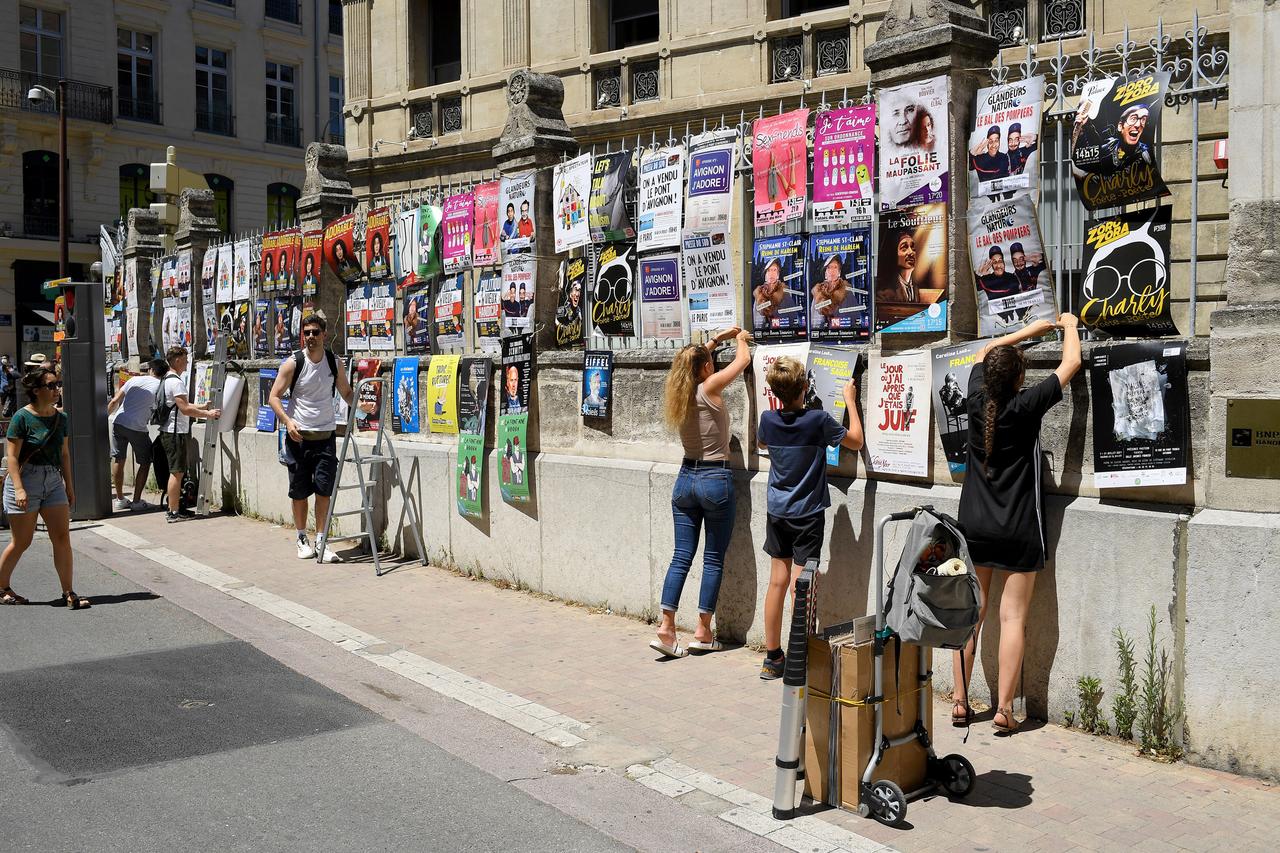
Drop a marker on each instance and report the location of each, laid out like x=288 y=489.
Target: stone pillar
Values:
x=1243 y=359
x=326 y=195
x=925 y=38
x=144 y=243
x=197 y=228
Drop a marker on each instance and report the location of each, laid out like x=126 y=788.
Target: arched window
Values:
x=40 y=193
x=282 y=205
x=135 y=188
x=222 y=187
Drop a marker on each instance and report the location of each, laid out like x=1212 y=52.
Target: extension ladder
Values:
x=382 y=453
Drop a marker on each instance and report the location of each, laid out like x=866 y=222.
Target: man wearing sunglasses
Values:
x=309 y=379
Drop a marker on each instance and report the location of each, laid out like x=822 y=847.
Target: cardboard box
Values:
x=839 y=737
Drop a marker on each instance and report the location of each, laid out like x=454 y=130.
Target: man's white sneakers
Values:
x=306 y=551
x=330 y=557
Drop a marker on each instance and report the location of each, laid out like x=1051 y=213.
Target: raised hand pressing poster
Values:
x=571 y=187
x=779 y=310
x=377 y=243
x=661 y=199
x=1009 y=268
x=339 y=249
x=429 y=262
x=456 y=243
x=780 y=164
x=597 y=383
x=515 y=198
x=1114 y=153
x=1005 y=143
x=404 y=405
x=224 y=292
x=707 y=272
x=1140 y=414
x=404 y=245
x=242 y=281
x=312 y=257
x=914 y=144
x=951 y=368
x=488 y=311
x=473 y=401
x=513 y=417
x=839 y=281
x=1125 y=291
x=417 y=320
x=486 y=250
x=570 y=330
x=897 y=420
x=442 y=393
x=911 y=270
x=661 y=311
x=708 y=202
x=614 y=296
x=450 y=333
x=830 y=369
x=610 y=177
x=844 y=150
x=518 y=292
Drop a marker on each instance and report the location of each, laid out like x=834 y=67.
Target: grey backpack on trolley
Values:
x=929 y=606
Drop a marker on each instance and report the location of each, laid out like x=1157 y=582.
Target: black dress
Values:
x=1000 y=503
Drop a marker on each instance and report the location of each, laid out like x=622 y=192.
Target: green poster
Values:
x=470 y=474
x=514 y=453
x=429 y=245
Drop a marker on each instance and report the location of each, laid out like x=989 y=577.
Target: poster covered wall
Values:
x=1009 y=266
x=597 y=383
x=417 y=320
x=405 y=396
x=897 y=421
x=613 y=298
x=339 y=249
x=707 y=273
x=1141 y=429
x=442 y=394
x=780 y=166
x=950 y=379
x=513 y=417
x=515 y=198
x=488 y=311
x=610 y=176
x=839 y=280
x=660 y=199
x=377 y=243
x=914 y=144
x=486 y=251
x=844 y=145
x=1114 y=153
x=456 y=242
x=1004 y=147
x=662 y=317
x=571 y=188
x=450 y=333
x=708 y=201
x=779 y=310
x=911 y=270
x=570 y=329
x=1126 y=286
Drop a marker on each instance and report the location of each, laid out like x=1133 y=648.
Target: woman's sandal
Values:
x=1010 y=725
x=961 y=720
x=75 y=602
x=8 y=596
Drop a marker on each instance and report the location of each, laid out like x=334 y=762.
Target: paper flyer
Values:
x=1141 y=431
x=597 y=383
x=844 y=153
x=1009 y=265
x=608 y=217
x=518 y=292
x=456 y=228
x=450 y=333
x=377 y=243
x=708 y=203
x=779 y=161
x=516 y=200
x=312 y=250
x=368 y=368
x=914 y=144
x=488 y=311
x=380 y=316
x=357 y=318
x=417 y=320
x=830 y=369
x=261 y=328
x=571 y=188
x=486 y=249
x=707 y=273
x=1004 y=147
x=513 y=417
x=404 y=248
x=242 y=281
x=951 y=368
x=429 y=247
x=661 y=199
x=266 y=420
x=661 y=309
x=473 y=401
x=267 y=264
x=779 y=309
x=911 y=272
x=897 y=419
x=405 y=396
x=613 y=298
x=839 y=282
x=442 y=394
x=1126 y=286
x=339 y=249
x=1114 y=153
x=570 y=329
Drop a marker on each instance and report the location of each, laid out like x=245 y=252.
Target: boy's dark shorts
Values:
x=314 y=468
x=796 y=539
x=175 y=451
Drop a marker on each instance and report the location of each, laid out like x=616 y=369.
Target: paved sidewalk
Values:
x=1046 y=788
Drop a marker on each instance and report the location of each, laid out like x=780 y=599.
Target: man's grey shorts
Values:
x=122 y=438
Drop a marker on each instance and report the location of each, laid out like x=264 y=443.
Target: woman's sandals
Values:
x=8 y=596
x=961 y=720
x=75 y=602
x=1010 y=724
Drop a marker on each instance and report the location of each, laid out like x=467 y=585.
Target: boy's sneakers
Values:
x=771 y=668
x=306 y=551
x=180 y=515
x=120 y=504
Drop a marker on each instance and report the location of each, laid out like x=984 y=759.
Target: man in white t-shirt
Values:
x=136 y=400
x=309 y=383
x=177 y=424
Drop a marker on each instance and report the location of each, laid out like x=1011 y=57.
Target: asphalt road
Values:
x=138 y=725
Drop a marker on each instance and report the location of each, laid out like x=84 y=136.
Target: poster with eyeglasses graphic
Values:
x=1126 y=290
x=1114 y=154
x=1140 y=414
x=613 y=298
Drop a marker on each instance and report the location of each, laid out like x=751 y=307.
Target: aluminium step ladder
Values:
x=383 y=453
x=212 y=428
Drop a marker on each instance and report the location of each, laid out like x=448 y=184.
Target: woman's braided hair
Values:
x=1001 y=371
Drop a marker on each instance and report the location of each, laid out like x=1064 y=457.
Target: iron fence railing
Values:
x=85 y=101
x=216 y=120
x=284 y=132
x=139 y=109
x=35 y=225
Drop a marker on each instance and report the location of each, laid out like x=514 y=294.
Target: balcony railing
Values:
x=34 y=225
x=84 y=100
x=139 y=109
x=217 y=120
x=284 y=132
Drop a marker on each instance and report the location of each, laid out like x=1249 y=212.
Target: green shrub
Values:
x=1089 y=692
x=1157 y=718
x=1124 y=707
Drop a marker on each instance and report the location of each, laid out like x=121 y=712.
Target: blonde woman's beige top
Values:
x=705 y=431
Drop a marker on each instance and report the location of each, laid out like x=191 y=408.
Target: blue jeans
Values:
x=700 y=494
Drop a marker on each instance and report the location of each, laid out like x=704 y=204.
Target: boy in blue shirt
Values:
x=797 y=440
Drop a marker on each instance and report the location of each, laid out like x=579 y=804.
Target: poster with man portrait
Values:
x=1004 y=147
x=456 y=229
x=1141 y=430
x=915 y=144
x=487 y=306
x=208 y=275
x=844 y=150
x=517 y=229
x=377 y=243
x=1114 y=154
x=708 y=201
x=571 y=303
x=1010 y=268
x=661 y=312
x=513 y=417
x=897 y=419
x=911 y=270
x=1126 y=288
x=780 y=165
x=450 y=332
x=570 y=191
x=473 y=401
x=839 y=284
x=614 y=295
x=951 y=368
x=312 y=257
x=597 y=383
x=611 y=175
x=417 y=320
x=486 y=248
x=182 y=289
x=429 y=247
x=779 y=308
x=518 y=292
x=339 y=249
x=404 y=248
x=660 y=199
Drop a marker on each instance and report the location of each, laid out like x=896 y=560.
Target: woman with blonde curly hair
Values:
x=703 y=493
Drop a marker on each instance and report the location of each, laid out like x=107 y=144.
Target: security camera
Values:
x=36 y=95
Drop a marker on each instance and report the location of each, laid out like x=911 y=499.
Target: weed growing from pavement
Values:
x=1124 y=707
x=1157 y=718
x=1089 y=694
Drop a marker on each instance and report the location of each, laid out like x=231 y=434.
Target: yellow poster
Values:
x=442 y=394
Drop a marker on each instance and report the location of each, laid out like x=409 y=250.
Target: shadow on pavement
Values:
x=97 y=600
x=1000 y=790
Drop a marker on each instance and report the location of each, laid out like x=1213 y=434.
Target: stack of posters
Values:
x=513 y=417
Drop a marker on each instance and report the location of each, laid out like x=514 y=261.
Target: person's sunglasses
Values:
x=311 y=333
x=52 y=386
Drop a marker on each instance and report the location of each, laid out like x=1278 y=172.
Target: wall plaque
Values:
x=1253 y=438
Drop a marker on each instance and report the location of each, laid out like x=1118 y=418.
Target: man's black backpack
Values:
x=162 y=410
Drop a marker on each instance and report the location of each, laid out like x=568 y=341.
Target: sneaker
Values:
x=306 y=551
x=771 y=670
x=138 y=506
x=120 y=504
x=330 y=557
x=186 y=513
x=171 y=517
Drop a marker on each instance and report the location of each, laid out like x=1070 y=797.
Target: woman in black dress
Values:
x=1000 y=502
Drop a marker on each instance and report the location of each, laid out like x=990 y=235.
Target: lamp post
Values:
x=39 y=95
